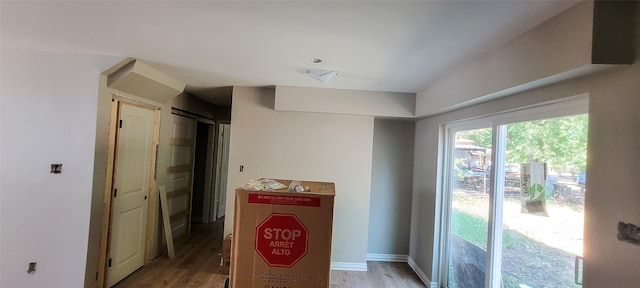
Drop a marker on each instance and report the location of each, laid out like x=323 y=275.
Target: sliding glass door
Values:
x=514 y=200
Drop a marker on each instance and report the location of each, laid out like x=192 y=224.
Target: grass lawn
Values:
x=474 y=230
x=469 y=228
x=524 y=260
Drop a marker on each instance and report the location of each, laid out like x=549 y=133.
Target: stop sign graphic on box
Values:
x=282 y=240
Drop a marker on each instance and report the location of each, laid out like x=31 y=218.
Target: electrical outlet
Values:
x=241 y=168
x=32 y=267
x=56 y=168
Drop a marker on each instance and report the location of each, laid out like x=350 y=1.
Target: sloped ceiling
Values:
x=378 y=46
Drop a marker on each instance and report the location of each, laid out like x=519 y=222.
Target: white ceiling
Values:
x=380 y=46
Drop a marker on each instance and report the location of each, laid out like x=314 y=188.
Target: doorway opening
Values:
x=203 y=177
x=210 y=172
x=513 y=209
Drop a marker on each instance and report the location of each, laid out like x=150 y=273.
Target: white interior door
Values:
x=224 y=169
x=131 y=189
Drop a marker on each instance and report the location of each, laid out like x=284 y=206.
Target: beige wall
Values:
x=306 y=146
x=612 y=169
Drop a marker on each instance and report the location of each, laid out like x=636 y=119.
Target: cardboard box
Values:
x=283 y=239
x=225 y=257
x=533 y=194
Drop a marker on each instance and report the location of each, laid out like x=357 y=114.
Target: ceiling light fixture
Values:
x=322 y=75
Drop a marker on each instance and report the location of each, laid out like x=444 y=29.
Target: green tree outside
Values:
x=562 y=139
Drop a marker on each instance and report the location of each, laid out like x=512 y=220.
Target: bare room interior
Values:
x=427 y=115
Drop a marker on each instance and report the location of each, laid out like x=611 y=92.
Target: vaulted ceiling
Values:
x=379 y=46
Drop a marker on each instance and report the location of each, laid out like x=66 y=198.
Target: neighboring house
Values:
x=50 y=113
x=473 y=156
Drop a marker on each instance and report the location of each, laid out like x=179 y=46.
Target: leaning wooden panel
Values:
x=166 y=223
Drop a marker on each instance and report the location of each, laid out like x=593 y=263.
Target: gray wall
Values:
x=391 y=181
x=612 y=168
x=612 y=172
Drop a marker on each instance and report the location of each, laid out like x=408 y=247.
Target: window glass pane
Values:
x=469 y=208
x=543 y=208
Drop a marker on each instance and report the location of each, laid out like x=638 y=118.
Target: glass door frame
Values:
x=498 y=123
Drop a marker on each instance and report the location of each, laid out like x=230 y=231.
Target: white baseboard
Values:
x=421 y=274
x=387 y=257
x=348 y=266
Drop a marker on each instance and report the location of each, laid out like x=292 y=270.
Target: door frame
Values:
x=220 y=145
x=497 y=121
x=105 y=234
x=209 y=192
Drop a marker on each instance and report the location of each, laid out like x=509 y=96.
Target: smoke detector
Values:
x=322 y=75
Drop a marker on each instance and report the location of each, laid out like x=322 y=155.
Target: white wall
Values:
x=305 y=146
x=612 y=169
x=391 y=182
x=48 y=115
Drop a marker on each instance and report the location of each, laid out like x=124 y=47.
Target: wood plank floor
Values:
x=379 y=274
x=197 y=265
